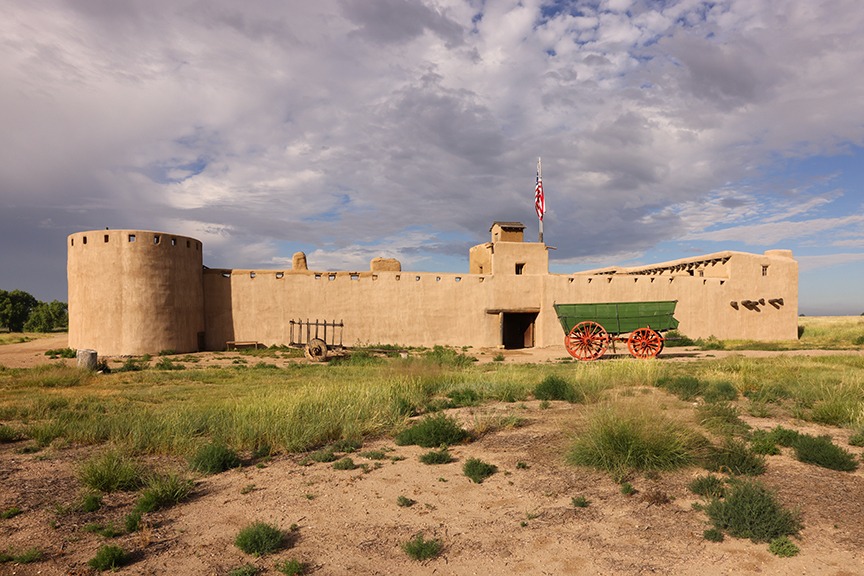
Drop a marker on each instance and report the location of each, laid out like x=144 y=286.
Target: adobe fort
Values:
x=133 y=292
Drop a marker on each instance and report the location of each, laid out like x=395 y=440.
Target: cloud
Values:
x=266 y=126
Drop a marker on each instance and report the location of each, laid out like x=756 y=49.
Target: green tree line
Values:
x=22 y=312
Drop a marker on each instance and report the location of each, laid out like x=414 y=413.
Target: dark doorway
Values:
x=517 y=330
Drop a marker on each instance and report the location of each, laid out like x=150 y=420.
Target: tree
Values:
x=48 y=316
x=15 y=307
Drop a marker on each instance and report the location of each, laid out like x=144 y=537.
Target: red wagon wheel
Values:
x=587 y=341
x=645 y=343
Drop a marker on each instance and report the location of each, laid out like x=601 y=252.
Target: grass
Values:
x=783 y=547
x=431 y=431
x=580 y=502
x=709 y=486
x=734 y=457
x=10 y=512
x=750 y=510
x=344 y=464
x=163 y=491
x=816 y=450
x=554 y=387
x=109 y=557
x=419 y=548
x=442 y=456
x=478 y=470
x=214 y=458
x=405 y=502
x=259 y=539
x=245 y=570
x=291 y=567
x=111 y=471
x=623 y=438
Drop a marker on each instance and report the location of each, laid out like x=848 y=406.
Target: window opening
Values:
x=764 y=270
x=280 y=274
x=85 y=242
x=131 y=238
x=106 y=237
x=156 y=239
x=520 y=268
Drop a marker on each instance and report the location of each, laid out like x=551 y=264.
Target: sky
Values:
x=350 y=129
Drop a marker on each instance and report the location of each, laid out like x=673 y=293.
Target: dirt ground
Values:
x=521 y=520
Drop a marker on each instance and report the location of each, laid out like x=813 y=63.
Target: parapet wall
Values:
x=134 y=292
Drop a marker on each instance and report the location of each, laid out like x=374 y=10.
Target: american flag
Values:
x=539 y=199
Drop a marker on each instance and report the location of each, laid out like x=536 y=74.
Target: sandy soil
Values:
x=519 y=521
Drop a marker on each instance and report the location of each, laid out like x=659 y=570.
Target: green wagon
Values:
x=590 y=328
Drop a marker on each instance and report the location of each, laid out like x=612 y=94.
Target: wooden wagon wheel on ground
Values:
x=645 y=343
x=587 y=341
x=316 y=350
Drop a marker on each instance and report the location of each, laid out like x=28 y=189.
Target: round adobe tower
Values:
x=135 y=292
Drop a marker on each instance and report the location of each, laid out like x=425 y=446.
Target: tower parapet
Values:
x=135 y=292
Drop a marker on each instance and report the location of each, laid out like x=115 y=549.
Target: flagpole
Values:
x=540 y=179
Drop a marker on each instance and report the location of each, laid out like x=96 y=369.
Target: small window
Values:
x=331 y=277
x=173 y=241
x=417 y=278
x=106 y=238
x=251 y=274
x=355 y=276
x=280 y=275
x=481 y=270
x=187 y=244
x=458 y=278
x=437 y=279
x=701 y=273
x=73 y=241
x=85 y=242
x=156 y=239
x=131 y=238
x=317 y=276
x=520 y=268
x=226 y=274
x=764 y=270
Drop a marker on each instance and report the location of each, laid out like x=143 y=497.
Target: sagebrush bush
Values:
x=556 y=388
x=821 y=451
x=259 y=539
x=478 y=470
x=111 y=471
x=750 y=510
x=108 y=558
x=708 y=486
x=432 y=431
x=419 y=548
x=214 y=458
x=441 y=456
x=734 y=457
x=344 y=464
x=783 y=547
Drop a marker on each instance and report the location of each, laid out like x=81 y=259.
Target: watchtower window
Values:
x=106 y=238
x=156 y=239
x=520 y=268
x=85 y=239
x=131 y=238
x=173 y=241
x=764 y=270
x=701 y=273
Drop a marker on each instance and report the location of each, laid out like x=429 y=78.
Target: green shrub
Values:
x=625 y=439
x=463 y=397
x=684 y=387
x=713 y=535
x=108 y=558
x=784 y=436
x=259 y=539
x=405 y=502
x=61 y=353
x=763 y=442
x=710 y=343
x=344 y=464
x=720 y=391
x=291 y=567
x=346 y=445
x=673 y=338
x=580 y=502
x=783 y=547
x=556 y=388
x=857 y=439
x=132 y=521
x=627 y=489
x=322 y=455
x=167 y=364
x=90 y=502
x=708 y=486
x=477 y=470
x=437 y=430
x=751 y=511
x=8 y=434
x=821 y=451
x=441 y=456
x=734 y=457
x=133 y=365
x=163 y=491
x=245 y=570
x=448 y=357
x=420 y=549
x=10 y=512
x=214 y=458
x=722 y=418
x=26 y=557
x=111 y=472
x=104 y=530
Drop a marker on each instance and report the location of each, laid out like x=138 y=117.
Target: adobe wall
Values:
x=134 y=292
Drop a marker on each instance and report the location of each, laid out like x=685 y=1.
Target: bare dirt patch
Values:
x=521 y=520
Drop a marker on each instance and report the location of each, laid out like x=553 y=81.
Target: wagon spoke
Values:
x=645 y=343
x=586 y=341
